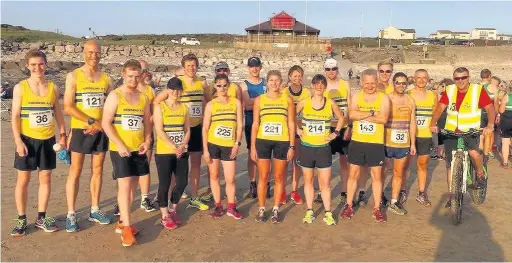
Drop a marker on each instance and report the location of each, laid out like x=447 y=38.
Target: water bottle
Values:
x=62 y=154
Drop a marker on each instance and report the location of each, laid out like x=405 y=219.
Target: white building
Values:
x=448 y=34
x=392 y=32
x=504 y=37
x=484 y=33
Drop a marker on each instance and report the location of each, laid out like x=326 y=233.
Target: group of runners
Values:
x=378 y=127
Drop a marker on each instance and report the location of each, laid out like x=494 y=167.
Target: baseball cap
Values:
x=254 y=62
x=330 y=63
x=221 y=65
x=175 y=84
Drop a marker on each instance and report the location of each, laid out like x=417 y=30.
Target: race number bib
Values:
x=223 y=132
x=176 y=137
x=195 y=110
x=39 y=119
x=93 y=100
x=366 y=127
x=399 y=136
x=272 y=129
x=421 y=121
x=315 y=127
x=131 y=122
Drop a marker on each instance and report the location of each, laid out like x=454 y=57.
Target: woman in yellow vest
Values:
x=126 y=122
x=315 y=134
x=222 y=133
x=297 y=92
x=222 y=68
x=35 y=108
x=172 y=129
x=400 y=131
x=274 y=124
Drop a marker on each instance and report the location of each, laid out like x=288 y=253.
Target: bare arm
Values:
x=491 y=115
x=383 y=115
x=16 y=114
x=291 y=121
x=255 y=123
x=109 y=111
x=239 y=121
x=69 y=99
x=163 y=95
x=187 y=129
x=339 y=115
x=208 y=93
x=412 y=124
x=110 y=84
x=503 y=104
x=354 y=113
x=207 y=118
x=238 y=92
x=59 y=117
x=148 y=126
x=298 y=109
x=248 y=101
x=205 y=89
x=437 y=113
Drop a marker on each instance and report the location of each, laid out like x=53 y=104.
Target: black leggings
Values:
x=167 y=165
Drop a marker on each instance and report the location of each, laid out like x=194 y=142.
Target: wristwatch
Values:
x=336 y=132
x=372 y=113
x=91 y=121
x=292 y=147
x=239 y=143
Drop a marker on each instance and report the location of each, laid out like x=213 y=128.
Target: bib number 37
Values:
x=131 y=122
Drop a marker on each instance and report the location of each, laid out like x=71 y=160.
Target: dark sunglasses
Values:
x=460 y=78
x=221 y=86
x=145 y=70
x=404 y=83
x=331 y=69
x=222 y=70
x=385 y=71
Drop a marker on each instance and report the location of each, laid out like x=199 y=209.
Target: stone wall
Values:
x=169 y=57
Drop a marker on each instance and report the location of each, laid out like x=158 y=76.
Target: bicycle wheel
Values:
x=477 y=195
x=457 y=196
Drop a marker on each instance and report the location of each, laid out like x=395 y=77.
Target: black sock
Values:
x=420 y=192
x=24 y=217
x=253 y=183
x=41 y=215
x=343 y=193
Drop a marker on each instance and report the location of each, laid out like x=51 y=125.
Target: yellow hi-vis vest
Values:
x=468 y=116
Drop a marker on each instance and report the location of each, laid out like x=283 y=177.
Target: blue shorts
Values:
x=397 y=153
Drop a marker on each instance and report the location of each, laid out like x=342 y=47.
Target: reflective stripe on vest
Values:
x=469 y=115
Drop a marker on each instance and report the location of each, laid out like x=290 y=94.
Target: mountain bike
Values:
x=463 y=174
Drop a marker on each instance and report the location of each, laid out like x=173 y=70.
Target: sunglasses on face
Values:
x=460 y=78
x=222 y=70
x=385 y=71
x=331 y=69
x=404 y=83
x=221 y=86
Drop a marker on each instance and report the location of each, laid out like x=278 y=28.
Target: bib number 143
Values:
x=366 y=127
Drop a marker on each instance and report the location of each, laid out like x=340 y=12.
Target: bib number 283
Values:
x=176 y=137
x=272 y=129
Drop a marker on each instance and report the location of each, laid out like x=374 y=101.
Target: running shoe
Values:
x=72 y=224
x=197 y=203
x=184 y=195
x=402 y=197
x=343 y=198
x=379 y=216
x=47 y=224
x=119 y=229
x=233 y=212
x=347 y=213
x=296 y=198
x=20 y=227
x=218 y=211
x=206 y=197
x=116 y=210
x=397 y=208
x=168 y=223
x=422 y=198
x=276 y=217
x=260 y=217
x=329 y=219
x=146 y=205
x=309 y=217
x=100 y=217
x=283 y=198
x=361 y=199
x=253 y=190
x=491 y=156
x=127 y=237
x=174 y=216
x=481 y=182
x=318 y=198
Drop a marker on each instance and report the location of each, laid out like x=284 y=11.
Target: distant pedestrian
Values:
x=350 y=73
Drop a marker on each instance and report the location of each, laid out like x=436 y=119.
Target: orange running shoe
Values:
x=119 y=229
x=127 y=237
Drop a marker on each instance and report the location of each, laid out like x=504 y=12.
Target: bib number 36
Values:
x=40 y=119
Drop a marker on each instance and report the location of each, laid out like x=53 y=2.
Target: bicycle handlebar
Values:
x=471 y=132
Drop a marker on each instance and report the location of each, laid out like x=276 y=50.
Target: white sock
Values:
x=393 y=201
x=143 y=196
x=94 y=209
x=71 y=213
x=275 y=208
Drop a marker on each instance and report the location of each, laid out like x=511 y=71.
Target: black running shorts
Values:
x=195 y=144
x=134 y=165
x=424 y=146
x=366 y=154
x=220 y=152
x=88 y=144
x=338 y=145
x=40 y=155
x=315 y=157
x=267 y=149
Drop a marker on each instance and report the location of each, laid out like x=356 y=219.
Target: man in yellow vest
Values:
x=464 y=102
x=86 y=89
x=385 y=71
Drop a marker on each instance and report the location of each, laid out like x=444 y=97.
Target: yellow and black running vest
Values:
x=316 y=123
x=37 y=112
x=128 y=122
x=89 y=97
x=174 y=126
x=274 y=118
x=222 y=129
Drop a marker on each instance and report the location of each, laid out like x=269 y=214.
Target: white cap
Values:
x=330 y=63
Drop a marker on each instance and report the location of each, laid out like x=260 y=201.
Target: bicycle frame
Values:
x=461 y=147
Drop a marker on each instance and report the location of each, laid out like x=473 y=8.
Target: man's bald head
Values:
x=144 y=64
x=92 y=44
x=92 y=53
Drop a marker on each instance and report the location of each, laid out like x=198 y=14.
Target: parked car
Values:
x=175 y=41
x=420 y=43
x=436 y=42
x=461 y=43
x=190 y=41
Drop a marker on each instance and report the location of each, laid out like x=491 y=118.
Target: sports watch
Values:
x=91 y=121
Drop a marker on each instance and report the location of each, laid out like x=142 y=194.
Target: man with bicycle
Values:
x=464 y=102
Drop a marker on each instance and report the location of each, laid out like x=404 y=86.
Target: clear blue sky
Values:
x=334 y=19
